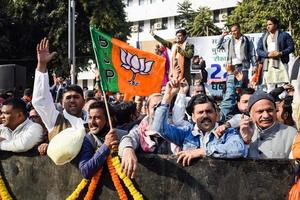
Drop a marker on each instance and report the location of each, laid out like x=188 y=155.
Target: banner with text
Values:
x=215 y=59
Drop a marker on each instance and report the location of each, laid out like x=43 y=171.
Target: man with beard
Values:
x=98 y=143
x=267 y=137
x=197 y=140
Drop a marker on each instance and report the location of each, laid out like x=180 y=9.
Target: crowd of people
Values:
x=249 y=122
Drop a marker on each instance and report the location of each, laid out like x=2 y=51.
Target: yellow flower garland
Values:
x=128 y=183
x=4 y=194
x=77 y=191
x=117 y=165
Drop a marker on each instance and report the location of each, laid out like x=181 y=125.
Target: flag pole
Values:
x=106 y=104
x=101 y=85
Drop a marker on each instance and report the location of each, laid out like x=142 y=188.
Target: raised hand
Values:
x=184 y=87
x=246 y=129
x=172 y=89
x=43 y=55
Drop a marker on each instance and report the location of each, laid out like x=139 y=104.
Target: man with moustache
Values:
x=98 y=143
x=197 y=140
x=42 y=101
x=266 y=136
x=240 y=52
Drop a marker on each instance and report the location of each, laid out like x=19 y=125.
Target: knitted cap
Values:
x=257 y=96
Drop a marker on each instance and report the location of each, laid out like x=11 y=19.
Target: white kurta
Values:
x=23 y=138
x=274 y=75
x=43 y=102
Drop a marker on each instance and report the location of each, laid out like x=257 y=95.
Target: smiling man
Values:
x=98 y=143
x=267 y=137
x=197 y=140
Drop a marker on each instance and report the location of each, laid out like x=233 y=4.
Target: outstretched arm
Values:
x=161 y=40
x=42 y=99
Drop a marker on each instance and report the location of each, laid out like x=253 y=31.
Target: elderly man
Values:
x=198 y=140
x=73 y=101
x=18 y=133
x=267 y=137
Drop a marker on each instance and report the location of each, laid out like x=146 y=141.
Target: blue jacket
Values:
x=93 y=154
x=230 y=145
x=89 y=159
x=285 y=46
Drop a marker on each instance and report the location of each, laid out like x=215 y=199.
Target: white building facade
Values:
x=162 y=16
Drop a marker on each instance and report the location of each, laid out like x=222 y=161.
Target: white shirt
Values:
x=205 y=137
x=43 y=102
x=23 y=138
x=237 y=48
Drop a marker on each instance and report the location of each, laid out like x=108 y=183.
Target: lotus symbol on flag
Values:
x=136 y=65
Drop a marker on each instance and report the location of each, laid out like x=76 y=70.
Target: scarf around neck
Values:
x=274 y=61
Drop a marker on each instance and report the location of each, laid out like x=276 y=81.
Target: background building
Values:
x=161 y=15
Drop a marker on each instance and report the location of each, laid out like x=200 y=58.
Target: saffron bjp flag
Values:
x=125 y=69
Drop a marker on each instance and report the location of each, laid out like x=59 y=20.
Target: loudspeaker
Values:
x=12 y=77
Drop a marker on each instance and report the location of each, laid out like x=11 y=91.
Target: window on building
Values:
x=141 y=2
x=141 y=26
x=216 y=15
x=223 y=15
x=164 y=23
x=129 y=2
x=152 y=22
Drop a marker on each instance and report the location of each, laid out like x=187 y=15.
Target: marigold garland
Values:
x=4 y=194
x=93 y=185
x=77 y=191
x=115 y=179
x=114 y=167
x=128 y=183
